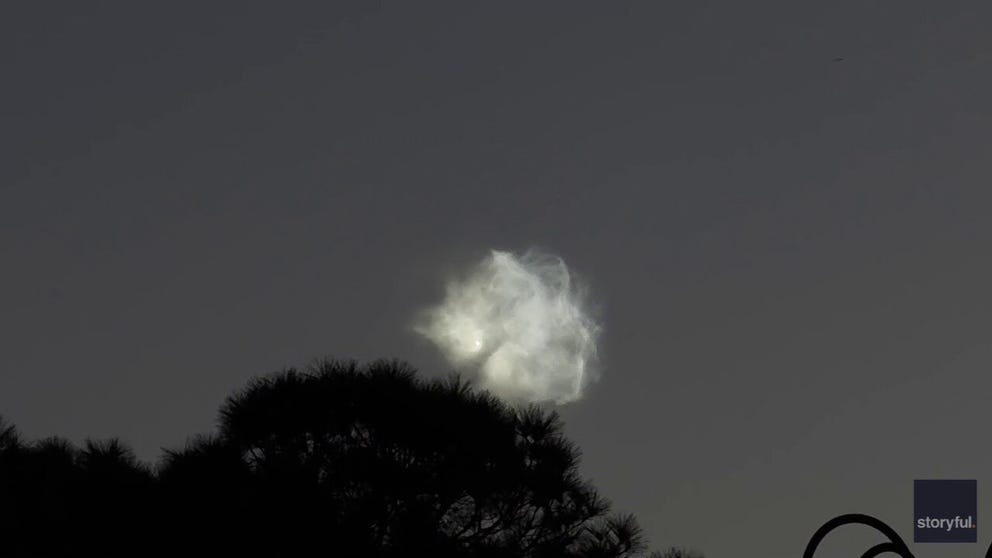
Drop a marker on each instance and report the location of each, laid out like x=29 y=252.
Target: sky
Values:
x=780 y=209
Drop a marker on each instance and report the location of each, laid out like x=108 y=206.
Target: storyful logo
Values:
x=945 y=511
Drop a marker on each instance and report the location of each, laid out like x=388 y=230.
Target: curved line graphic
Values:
x=882 y=548
x=895 y=544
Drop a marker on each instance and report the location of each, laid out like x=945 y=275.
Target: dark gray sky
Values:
x=790 y=253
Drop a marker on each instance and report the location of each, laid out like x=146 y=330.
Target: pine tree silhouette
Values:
x=337 y=459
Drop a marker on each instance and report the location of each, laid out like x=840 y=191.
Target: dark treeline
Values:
x=336 y=460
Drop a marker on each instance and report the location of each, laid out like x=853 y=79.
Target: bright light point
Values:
x=521 y=323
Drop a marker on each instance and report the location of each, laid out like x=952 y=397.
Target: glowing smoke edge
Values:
x=522 y=324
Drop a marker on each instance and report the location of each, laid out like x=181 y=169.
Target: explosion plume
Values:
x=521 y=324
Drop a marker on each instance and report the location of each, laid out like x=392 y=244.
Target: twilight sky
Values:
x=790 y=252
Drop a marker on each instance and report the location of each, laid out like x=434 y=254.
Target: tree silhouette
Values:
x=206 y=499
x=343 y=459
x=9 y=438
x=60 y=501
x=675 y=552
x=390 y=464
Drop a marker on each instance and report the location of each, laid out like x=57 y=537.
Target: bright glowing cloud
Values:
x=522 y=324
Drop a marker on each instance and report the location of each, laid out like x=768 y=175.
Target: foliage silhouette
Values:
x=58 y=500
x=675 y=552
x=349 y=460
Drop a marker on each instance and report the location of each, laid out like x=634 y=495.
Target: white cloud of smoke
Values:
x=521 y=322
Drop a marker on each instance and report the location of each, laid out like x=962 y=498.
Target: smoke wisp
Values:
x=521 y=323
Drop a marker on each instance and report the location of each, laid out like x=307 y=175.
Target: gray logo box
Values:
x=945 y=510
